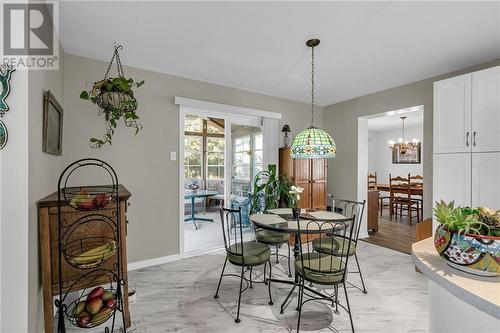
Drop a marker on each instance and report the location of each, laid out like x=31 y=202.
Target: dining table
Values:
x=281 y=220
x=192 y=195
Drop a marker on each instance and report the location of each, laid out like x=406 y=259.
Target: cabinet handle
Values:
x=474 y=138
x=467 y=140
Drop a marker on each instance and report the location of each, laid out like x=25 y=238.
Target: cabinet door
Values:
x=452 y=178
x=486 y=180
x=318 y=183
x=452 y=115
x=486 y=110
x=301 y=178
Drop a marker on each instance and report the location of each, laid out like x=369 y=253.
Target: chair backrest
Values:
x=416 y=180
x=350 y=209
x=232 y=230
x=399 y=185
x=216 y=185
x=320 y=229
x=372 y=180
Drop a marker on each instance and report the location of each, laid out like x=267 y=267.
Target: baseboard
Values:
x=152 y=262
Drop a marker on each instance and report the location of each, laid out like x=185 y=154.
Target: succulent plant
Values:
x=491 y=218
x=457 y=219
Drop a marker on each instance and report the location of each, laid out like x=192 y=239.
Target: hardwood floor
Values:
x=396 y=235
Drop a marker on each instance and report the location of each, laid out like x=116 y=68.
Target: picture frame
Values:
x=412 y=155
x=52 y=125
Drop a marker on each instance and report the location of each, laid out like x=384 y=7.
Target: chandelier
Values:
x=403 y=144
x=313 y=142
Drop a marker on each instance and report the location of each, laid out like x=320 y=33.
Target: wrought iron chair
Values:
x=324 y=270
x=350 y=209
x=243 y=254
x=271 y=238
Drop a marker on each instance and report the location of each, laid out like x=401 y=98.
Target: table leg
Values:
x=192 y=213
x=296 y=253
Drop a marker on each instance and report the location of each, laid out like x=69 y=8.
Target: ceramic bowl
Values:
x=475 y=254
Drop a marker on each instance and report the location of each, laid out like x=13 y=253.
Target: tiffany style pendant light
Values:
x=313 y=142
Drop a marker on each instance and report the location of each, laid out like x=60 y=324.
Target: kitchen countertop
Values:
x=482 y=293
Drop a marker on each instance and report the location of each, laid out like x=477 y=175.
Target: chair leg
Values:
x=269 y=284
x=277 y=254
x=301 y=296
x=251 y=283
x=220 y=279
x=336 y=288
x=237 y=320
x=265 y=270
x=360 y=274
x=289 y=259
x=348 y=307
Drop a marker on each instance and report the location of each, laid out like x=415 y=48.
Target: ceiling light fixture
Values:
x=402 y=143
x=313 y=142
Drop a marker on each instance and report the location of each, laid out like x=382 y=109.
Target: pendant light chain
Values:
x=312 y=86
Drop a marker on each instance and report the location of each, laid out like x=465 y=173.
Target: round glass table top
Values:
x=280 y=219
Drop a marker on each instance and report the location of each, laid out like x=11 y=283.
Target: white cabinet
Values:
x=486 y=110
x=467 y=113
x=452 y=178
x=486 y=180
x=452 y=115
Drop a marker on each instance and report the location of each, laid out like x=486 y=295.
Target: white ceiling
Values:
x=258 y=46
x=392 y=120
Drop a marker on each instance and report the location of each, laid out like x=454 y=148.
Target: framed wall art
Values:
x=52 y=125
x=411 y=156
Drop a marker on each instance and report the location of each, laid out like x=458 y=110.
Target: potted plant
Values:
x=468 y=238
x=295 y=192
x=114 y=97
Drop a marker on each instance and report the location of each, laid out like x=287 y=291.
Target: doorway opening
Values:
x=390 y=175
x=221 y=158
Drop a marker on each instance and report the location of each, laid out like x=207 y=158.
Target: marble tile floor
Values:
x=178 y=297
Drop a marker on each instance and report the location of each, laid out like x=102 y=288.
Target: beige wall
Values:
x=341 y=121
x=143 y=161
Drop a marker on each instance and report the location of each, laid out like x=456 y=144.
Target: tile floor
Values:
x=178 y=297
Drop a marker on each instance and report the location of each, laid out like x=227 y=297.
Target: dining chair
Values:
x=400 y=198
x=418 y=181
x=244 y=254
x=350 y=209
x=372 y=185
x=269 y=237
x=323 y=270
x=372 y=181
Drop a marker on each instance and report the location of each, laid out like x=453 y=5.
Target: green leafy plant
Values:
x=285 y=185
x=115 y=99
x=457 y=219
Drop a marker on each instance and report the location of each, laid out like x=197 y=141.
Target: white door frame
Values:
x=362 y=192
x=231 y=114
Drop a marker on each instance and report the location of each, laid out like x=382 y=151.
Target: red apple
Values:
x=86 y=204
x=83 y=319
x=102 y=200
x=111 y=303
x=96 y=292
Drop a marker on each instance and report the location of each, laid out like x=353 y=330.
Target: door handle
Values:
x=467 y=139
x=474 y=139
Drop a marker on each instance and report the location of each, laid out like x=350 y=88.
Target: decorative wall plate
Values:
x=4 y=136
x=5 y=75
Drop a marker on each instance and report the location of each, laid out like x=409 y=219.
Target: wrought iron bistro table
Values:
x=198 y=194
x=281 y=220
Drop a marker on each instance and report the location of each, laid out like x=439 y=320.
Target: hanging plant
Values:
x=115 y=100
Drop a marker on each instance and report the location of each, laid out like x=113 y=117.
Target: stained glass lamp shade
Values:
x=313 y=143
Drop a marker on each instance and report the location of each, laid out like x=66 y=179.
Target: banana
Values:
x=99 y=253
x=101 y=316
